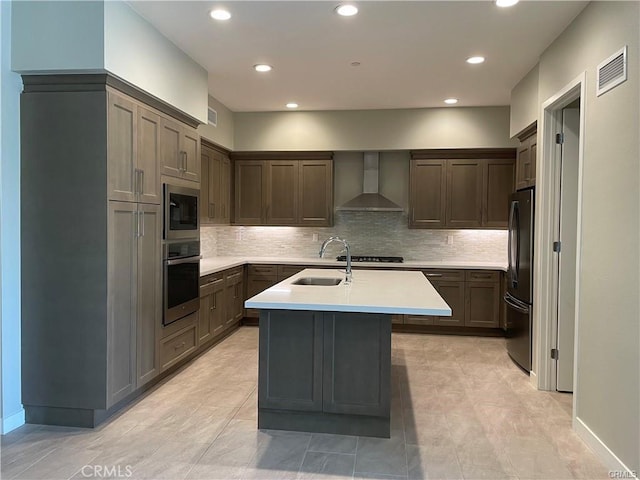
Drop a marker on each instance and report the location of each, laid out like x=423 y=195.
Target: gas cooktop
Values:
x=370 y=258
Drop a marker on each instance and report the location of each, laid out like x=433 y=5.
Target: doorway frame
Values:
x=547 y=221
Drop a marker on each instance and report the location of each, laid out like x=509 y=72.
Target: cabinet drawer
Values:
x=446 y=275
x=234 y=274
x=482 y=276
x=419 y=320
x=264 y=271
x=178 y=346
x=212 y=278
x=211 y=286
x=285 y=271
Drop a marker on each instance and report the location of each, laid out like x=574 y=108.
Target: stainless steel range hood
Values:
x=370 y=200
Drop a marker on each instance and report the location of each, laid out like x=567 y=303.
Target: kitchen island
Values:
x=325 y=350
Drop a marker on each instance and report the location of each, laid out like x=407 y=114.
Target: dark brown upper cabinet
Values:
x=283 y=188
x=526 y=159
x=215 y=185
x=460 y=188
x=180 y=150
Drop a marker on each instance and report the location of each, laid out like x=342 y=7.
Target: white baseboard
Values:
x=12 y=422
x=606 y=456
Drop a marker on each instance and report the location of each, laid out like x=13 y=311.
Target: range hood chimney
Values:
x=370 y=200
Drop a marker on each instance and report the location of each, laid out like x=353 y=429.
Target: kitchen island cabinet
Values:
x=325 y=351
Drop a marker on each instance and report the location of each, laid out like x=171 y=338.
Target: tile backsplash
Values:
x=368 y=233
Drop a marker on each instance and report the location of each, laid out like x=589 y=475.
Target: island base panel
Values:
x=321 y=422
x=325 y=372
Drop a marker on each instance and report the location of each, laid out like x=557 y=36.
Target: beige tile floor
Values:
x=460 y=409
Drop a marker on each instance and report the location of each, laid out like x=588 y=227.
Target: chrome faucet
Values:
x=347 y=279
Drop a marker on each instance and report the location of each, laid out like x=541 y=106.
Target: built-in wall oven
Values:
x=181 y=218
x=181 y=279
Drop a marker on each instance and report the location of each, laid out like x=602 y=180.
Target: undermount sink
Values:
x=318 y=281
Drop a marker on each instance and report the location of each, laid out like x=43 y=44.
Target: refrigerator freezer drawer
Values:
x=519 y=332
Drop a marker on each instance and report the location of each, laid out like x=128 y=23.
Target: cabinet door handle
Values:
x=136 y=182
x=433 y=274
x=184 y=161
x=179 y=346
x=141 y=189
x=212 y=210
x=136 y=217
x=142 y=220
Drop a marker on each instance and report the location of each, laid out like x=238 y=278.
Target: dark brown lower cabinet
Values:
x=259 y=278
x=473 y=295
x=179 y=345
x=482 y=299
x=454 y=294
x=483 y=305
x=234 y=296
x=212 y=302
x=221 y=303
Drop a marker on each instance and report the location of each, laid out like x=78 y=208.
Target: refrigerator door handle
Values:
x=516 y=304
x=514 y=243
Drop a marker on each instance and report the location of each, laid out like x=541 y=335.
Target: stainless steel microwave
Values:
x=181 y=217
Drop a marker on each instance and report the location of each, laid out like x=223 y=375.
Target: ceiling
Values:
x=411 y=54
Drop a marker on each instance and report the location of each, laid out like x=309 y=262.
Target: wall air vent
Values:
x=213 y=117
x=612 y=72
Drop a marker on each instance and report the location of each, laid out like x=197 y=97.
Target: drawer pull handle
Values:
x=179 y=346
x=433 y=274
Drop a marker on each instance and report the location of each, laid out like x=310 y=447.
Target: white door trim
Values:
x=545 y=287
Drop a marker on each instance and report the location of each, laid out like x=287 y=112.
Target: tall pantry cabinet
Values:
x=91 y=226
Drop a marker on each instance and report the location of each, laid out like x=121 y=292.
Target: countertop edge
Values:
x=212 y=265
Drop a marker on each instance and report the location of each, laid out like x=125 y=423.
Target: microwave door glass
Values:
x=183 y=212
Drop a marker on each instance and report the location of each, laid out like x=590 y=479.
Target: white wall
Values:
x=138 y=53
x=222 y=134
x=456 y=127
x=11 y=411
x=98 y=36
x=54 y=37
x=608 y=384
x=524 y=102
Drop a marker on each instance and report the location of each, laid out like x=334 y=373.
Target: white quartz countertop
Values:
x=370 y=291
x=217 y=264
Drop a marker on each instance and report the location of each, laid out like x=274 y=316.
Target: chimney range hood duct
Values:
x=370 y=200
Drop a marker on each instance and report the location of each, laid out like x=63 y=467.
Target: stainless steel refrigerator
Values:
x=519 y=295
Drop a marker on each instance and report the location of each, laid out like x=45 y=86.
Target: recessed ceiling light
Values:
x=262 y=67
x=475 y=60
x=451 y=101
x=506 y=3
x=346 y=10
x=220 y=14
x=292 y=105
